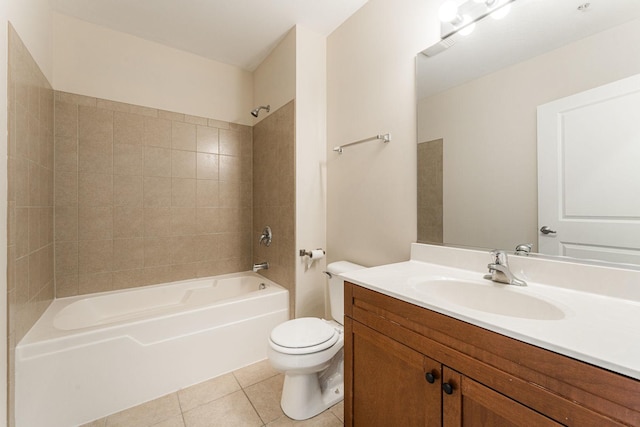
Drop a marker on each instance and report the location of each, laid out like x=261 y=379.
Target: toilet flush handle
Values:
x=329 y=275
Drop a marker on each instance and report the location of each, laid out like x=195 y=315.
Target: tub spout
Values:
x=260 y=266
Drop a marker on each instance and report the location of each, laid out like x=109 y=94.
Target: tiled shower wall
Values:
x=30 y=206
x=430 y=191
x=145 y=196
x=274 y=196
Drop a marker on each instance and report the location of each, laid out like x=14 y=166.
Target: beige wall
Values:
x=310 y=167
x=274 y=80
x=371 y=90
x=103 y=63
x=495 y=150
x=32 y=21
x=30 y=260
x=147 y=196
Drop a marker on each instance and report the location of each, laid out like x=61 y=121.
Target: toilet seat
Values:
x=303 y=336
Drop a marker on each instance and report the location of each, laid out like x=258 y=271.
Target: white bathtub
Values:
x=92 y=355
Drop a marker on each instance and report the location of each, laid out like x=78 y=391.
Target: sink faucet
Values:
x=499 y=270
x=260 y=266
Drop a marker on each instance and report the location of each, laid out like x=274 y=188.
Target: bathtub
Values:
x=93 y=355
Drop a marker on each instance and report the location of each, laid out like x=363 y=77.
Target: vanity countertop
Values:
x=596 y=328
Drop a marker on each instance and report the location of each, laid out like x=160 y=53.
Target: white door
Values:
x=589 y=173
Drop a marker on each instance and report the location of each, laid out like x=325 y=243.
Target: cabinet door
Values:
x=467 y=403
x=390 y=386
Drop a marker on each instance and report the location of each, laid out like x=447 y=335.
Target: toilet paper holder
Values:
x=304 y=252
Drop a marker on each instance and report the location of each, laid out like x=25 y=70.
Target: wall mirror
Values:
x=478 y=123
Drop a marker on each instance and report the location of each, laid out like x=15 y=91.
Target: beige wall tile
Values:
x=143 y=204
x=218 y=124
x=125 y=279
x=128 y=221
x=95 y=157
x=127 y=159
x=127 y=190
x=157 y=161
x=208 y=220
x=183 y=249
x=170 y=115
x=95 y=256
x=21 y=232
x=66 y=154
x=20 y=181
x=207 y=193
x=128 y=254
x=207 y=166
x=183 y=164
x=183 y=221
x=128 y=128
x=66 y=258
x=95 y=222
x=157 y=132
x=66 y=286
x=207 y=139
x=195 y=120
x=66 y=119
x=157 y=251
x=95 y=189
x=183 y=136
x=157 y=191
x=230 y=168
x=160 y=274
x=231 y=142
x=183 y=192
x=157 y=221
x=95 y=282
x=95 y=125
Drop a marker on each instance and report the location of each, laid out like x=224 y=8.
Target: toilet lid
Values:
x=303 y=333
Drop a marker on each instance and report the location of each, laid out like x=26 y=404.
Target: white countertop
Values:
x=596 y=328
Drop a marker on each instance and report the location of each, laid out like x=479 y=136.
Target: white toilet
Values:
x=309 y=352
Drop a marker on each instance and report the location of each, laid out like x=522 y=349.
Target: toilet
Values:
x=309 y=351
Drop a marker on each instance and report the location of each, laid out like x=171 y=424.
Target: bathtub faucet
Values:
x=260 y=266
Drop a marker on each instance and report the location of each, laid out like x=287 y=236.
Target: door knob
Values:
x=430 y=377
x=547 y=230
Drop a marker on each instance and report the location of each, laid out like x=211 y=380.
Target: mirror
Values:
x=477 y=121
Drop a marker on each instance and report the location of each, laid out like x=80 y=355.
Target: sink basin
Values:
x=489 y=297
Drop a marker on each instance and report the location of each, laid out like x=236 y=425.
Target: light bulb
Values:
x=448 y=12
x=469 y=28
x=502 y=12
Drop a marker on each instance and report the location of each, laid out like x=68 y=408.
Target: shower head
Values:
x=256 y=111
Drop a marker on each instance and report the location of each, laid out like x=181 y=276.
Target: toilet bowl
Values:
x=310 y=353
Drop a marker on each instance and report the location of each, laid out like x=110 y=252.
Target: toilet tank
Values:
x=336 y=287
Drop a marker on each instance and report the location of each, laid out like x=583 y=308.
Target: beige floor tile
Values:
x=338 y=410
x=265 y=397
x=255 y=373
x=176 y=421
x=325 y=419
x=231 y=410
x=207 y=391
x=147 y=414
x=102 y=422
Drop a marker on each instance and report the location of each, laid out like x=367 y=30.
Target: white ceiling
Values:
x=236 y=32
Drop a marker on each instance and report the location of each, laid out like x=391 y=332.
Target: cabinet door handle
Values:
x=430 y=377
x=447 y=388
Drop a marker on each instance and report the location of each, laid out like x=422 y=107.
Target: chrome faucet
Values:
x=260 y=266
x=266 y=236
x=499 y=270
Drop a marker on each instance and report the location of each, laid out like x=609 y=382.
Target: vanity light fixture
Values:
x=460 y=16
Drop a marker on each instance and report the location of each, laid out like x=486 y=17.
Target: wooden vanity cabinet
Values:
x=409 y=366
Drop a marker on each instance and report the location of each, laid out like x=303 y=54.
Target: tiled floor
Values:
x=247 y=397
